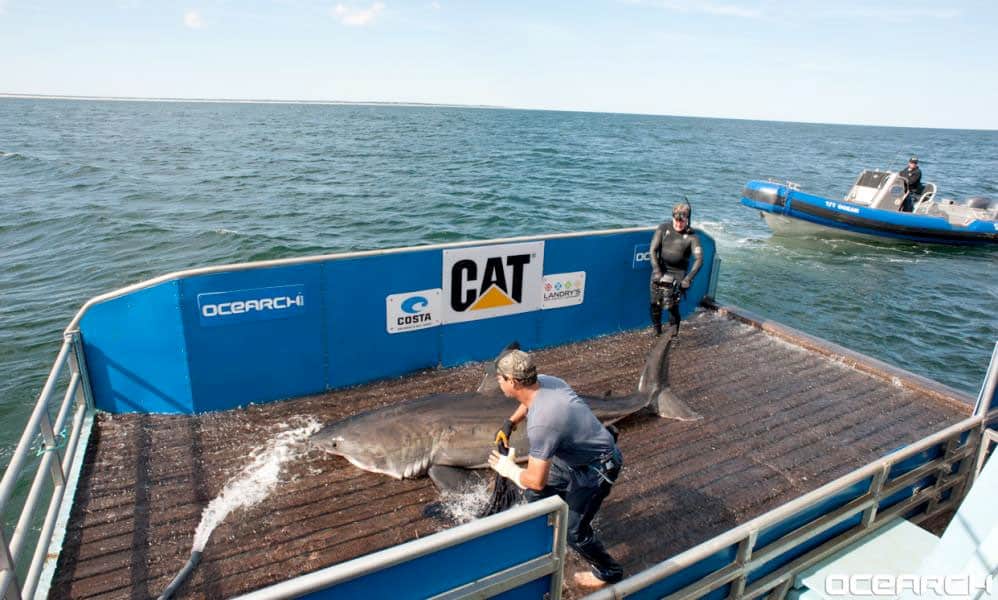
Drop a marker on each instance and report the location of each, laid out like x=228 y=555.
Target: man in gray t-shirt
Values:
x=571 y=454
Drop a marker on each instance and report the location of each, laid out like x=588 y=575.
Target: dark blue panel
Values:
x=803 y=548
x=136 y=353
x=263 y=334
x=616 y=296
x=360 y=347
x=701 y=283
x=263 y=355
x=827 y=505
x=916 y=460
x=784 y=527
x=481 y=340
x=532 y=590
x=692 y=573
x=452 y=567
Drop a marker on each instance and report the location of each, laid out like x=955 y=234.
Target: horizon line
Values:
x=35 y=96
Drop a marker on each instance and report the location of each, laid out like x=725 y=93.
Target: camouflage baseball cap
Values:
x=516 y=364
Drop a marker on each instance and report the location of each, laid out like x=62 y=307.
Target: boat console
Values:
x=882 y=189
x=886 y=190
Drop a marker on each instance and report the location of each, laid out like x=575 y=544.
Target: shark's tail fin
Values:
x=489 y=383
x=654 y=383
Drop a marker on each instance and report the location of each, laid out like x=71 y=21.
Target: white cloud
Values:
x=894 y=15
x=729 y=10
x=193 y=20
x=435 y=5
x=698 y=6
x=3 y=6
x=358 y=17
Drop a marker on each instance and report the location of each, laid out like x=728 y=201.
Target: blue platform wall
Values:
x=453 y=567
x=170 y=349
x=136 y=352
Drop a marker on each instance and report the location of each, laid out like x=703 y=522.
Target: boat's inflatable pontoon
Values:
x=872 y=208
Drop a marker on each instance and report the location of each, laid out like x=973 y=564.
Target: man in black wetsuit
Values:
x=913 y=176
x=671 y=248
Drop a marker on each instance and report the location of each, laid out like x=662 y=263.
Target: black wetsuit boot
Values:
x=673 y=318
x=656 y=318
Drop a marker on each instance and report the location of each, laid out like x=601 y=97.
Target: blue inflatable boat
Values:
x=872 y=208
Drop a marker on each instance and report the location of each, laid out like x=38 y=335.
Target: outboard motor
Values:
x=982 y=203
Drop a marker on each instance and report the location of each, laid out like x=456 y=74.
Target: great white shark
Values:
x=447 y=435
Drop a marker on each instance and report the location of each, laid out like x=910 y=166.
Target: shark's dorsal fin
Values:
x=489 y=384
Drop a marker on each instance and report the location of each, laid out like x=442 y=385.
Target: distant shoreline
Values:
x=24 y=96
x=243 y=101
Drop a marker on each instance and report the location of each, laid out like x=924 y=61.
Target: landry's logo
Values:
x=492 y=281
x=564 y=289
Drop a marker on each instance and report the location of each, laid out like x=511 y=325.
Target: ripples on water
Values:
x=97 y=195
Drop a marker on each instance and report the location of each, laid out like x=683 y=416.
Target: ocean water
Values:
x=95 y=195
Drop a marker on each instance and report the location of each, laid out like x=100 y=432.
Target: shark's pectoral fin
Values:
x=489 y=383
x=668 y=406
x=455 y=479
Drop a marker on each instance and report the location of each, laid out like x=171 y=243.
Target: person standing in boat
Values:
x=672 y=246
x=913 y=177
x=571 y=454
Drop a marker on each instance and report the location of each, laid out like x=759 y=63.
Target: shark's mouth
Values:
x=407 y=471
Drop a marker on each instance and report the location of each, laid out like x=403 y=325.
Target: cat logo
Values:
x=492 y=281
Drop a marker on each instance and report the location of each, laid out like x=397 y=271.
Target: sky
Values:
x=917 y=63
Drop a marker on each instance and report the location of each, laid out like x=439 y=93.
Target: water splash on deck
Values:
x=465 y=505
x=256 y=480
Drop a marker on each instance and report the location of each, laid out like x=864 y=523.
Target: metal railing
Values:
x=549 y=563
x=951 y=471
x=58 y=454
x=934 y=485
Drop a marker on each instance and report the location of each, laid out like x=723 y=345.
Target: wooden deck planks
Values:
x=778 y=421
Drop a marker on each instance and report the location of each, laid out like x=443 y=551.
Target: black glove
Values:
x=503 y=435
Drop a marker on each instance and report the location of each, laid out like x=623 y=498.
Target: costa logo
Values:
x=415 y=304
x=412 y=310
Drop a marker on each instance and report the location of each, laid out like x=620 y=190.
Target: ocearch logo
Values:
x=889 y=585
x=218 y=308
x=642 y=256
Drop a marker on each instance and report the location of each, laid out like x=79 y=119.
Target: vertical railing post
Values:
x=944 y=470
x=715 y=269
x=559 y=519
x=875 y=490
x=990 y=388
x=78 y=362
x=9 y=587
x=780 y=592
x=741 y=559
x=48 y=438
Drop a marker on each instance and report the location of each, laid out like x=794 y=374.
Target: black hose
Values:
x=505 y=493
x=182 y=576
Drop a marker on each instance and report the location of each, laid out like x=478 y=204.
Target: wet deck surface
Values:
x=778 y=421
